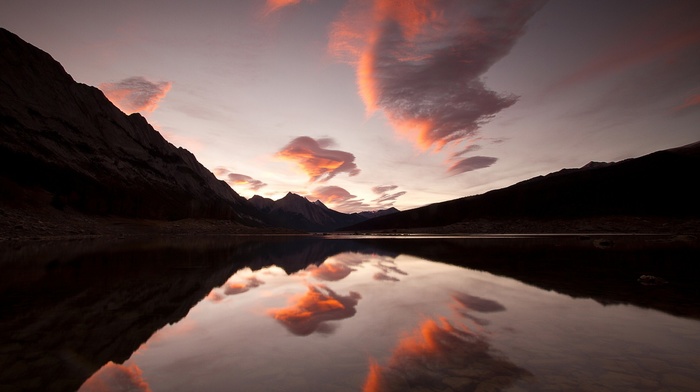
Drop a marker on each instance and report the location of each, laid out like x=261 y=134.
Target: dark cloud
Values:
x=136 y=94
x=468 y=149
x=318 y=162
x=478 y=304
x=311 y=312
x=383 y=276
x=421 y=62
x=471 y=163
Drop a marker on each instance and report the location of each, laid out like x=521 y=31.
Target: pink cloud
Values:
x=233 y=288
x=690 y=102
x=236 y=179
x=136 y=94
x=421 y=62
x=318 y=162
x=339 y=198
x=113 y=377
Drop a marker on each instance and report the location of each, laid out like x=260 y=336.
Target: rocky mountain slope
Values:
x=297 y=212
x=65 y=144
x=656 y=188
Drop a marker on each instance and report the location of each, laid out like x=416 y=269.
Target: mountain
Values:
x=658 y=186
x=297 y=212
x=65 y=144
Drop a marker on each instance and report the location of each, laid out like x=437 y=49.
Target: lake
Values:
x=334 y=313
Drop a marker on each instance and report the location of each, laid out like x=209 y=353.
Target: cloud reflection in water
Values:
x=310 y=312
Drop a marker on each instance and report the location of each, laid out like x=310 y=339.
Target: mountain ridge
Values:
x=656 y=186
x=297 y=212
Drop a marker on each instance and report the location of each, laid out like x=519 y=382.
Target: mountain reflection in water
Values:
x=306 y=313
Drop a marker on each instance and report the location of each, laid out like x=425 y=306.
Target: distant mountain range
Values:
x=65 y=147
x=663 y=184
x=64 y=144
x=297 y=212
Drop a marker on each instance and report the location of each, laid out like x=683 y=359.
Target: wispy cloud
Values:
x=421 y=62
x=316 y=160
x=385 y=198
x=471 y=163
x=310 y=312
x=692 y=101
x=276 y=5
x=114 y=377
x=136 y=94
x=236 y=179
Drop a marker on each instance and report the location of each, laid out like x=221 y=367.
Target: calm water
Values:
x=325 y=314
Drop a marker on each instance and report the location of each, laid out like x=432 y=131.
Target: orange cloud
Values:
x=275 y=5
x=438 y=351
x=318 y=162
x=329 y=271
x=232 y=288
x=421 y=62
x=310 y=312
x=113 y=377
x=136 y=94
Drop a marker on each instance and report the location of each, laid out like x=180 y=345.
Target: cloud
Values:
x=329 y=271
x=478 y=304
x=379 y=189
x=310 y=312
x=386 y=199
x=136 y=94
x=235 y=179
x=233 y=288
x=692 y=101
x=383 y=276
x=339 y=198
x=113 y=377
x=421 y=62
x=276 y=5
x=318 y=162
x=471 y=163
x=466 y=150
x=439 y=351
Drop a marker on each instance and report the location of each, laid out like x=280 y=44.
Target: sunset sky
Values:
x=367 y=104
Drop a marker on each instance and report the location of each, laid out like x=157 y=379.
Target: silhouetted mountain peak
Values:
x=70 y=141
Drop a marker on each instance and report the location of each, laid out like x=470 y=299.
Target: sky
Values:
x=369 y=104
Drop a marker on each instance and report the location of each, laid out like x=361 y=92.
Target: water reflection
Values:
x=266 y=314
x=310 y=312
